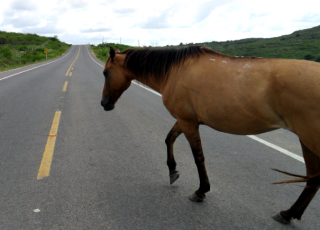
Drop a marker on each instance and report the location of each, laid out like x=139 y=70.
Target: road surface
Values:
x=107 y=170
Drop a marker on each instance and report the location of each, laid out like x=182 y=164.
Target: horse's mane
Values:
x=157 y=62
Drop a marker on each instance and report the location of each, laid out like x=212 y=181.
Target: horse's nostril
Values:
x=101 y=103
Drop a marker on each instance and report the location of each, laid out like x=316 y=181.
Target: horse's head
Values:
x=117 y=79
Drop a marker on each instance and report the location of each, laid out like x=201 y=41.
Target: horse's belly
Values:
x=242 y=122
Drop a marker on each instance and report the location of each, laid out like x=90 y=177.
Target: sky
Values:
x=158 y=23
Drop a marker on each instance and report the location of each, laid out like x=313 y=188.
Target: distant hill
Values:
x=302 y=44
x=18 y=49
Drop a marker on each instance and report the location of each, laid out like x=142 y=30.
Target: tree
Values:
x=308 y=57
x=54 y=38
x=3 y=40
x=318 y=59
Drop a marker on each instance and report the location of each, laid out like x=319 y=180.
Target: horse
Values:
x=237 y=95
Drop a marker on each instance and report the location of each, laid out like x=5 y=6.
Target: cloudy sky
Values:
x=161 y=22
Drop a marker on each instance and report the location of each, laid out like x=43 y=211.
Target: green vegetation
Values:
x=17 y=49
x=102 y=50
x=302 y=44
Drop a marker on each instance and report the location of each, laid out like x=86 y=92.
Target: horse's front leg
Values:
x=191 y=131
x=171 y=138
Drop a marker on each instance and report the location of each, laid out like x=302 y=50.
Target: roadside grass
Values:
x=18 y=50
x=101 y=51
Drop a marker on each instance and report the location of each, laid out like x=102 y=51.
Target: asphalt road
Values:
x=108 y=169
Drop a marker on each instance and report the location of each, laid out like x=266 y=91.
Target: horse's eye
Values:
x=105 y=73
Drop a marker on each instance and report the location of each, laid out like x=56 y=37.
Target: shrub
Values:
x=308 y=57
x=22 y=48
x=3 y=40
x=23 y=61
x=2 y=63
x=55 y=38
x=103 y=52
x=6 y=52
x=27 y=56
x=40 y=49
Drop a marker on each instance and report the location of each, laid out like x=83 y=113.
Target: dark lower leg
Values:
x=296 y=211
x=190 y=128
x=191 y=132
x=171 y=137
x=203 y=177
x=312 y=162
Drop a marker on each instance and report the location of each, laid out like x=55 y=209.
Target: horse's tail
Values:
x=313 y=180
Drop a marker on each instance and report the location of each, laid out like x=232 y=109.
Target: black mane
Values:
x=157 y=63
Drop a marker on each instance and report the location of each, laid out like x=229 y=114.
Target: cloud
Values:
x=105 y=2
x=206 y=8
x=315 y=17
x=125 y=11
x=48 y=29
x=22 y=21
x=276 y=28
x=255 y=16
x=162 y=22
x=157 y=22
x=83 y=39
x=165 y=20
x=95 y=30
x=76 y=4
x=23 y=5
x=245 y=28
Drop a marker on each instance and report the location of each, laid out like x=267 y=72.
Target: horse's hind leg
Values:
x=171 y=138
x=312 y=162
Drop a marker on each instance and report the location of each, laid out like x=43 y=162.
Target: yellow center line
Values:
x=68 y=70
x=45 y=165
x=73 y=62
x=65 y=86
x=70 y=74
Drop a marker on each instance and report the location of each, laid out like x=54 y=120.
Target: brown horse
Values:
x=237 y=95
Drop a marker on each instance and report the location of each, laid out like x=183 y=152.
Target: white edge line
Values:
x=147 y=88
x=284 y=151
x=92 y=58
x=35 y=67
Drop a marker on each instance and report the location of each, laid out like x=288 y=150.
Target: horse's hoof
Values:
x=280 y=219
x=197 y=198
x=174 y=176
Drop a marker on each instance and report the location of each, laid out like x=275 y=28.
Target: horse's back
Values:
x=246 y=96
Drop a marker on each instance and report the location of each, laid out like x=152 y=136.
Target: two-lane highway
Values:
x=107 y=170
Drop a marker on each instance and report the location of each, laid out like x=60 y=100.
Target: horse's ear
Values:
x=117 y=49
x=112 y=54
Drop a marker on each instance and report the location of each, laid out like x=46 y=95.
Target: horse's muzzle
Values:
x=107 y=104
